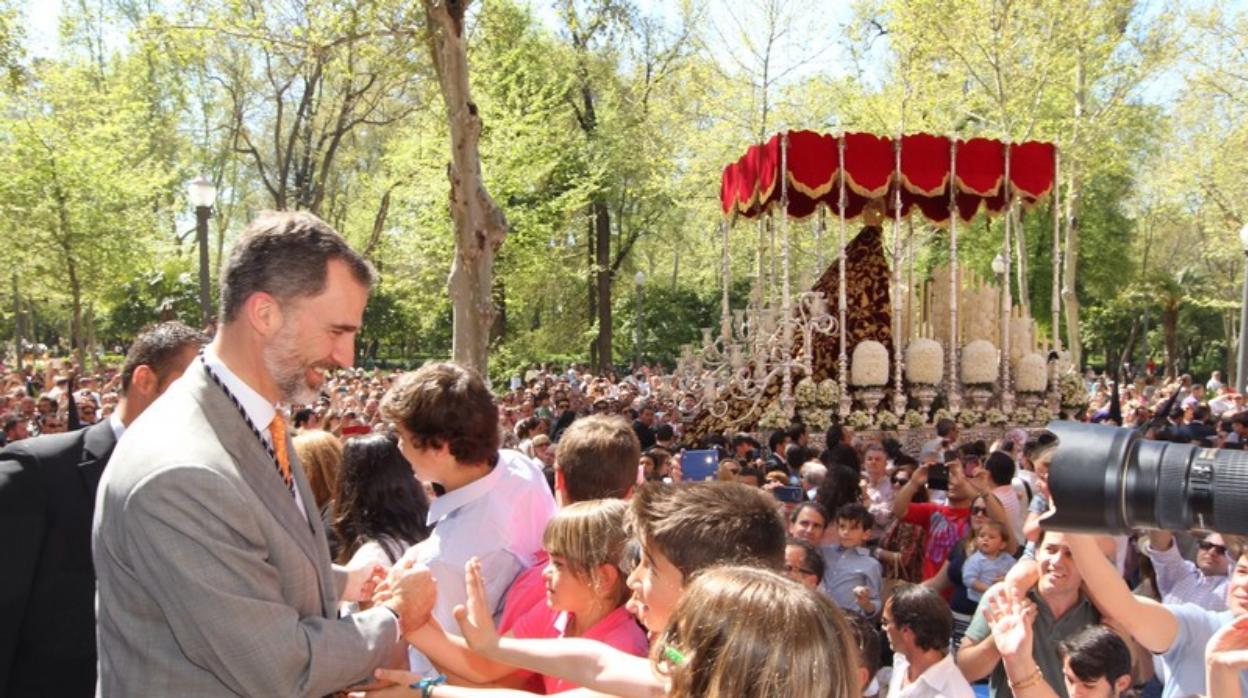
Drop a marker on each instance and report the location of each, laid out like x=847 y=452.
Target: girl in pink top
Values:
x=585 y=595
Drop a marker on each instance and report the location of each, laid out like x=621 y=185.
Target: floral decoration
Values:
x=970 y=418
x=859 y=419
x=886 y=420
x=829 y=393
x=869 y=366
x=940 y=414
x=1042 y=415
x=816 y=419
x=806 y=392
x=1033 y=374
x=1022 y=415
x=1074 y=393
x=915 y=419
x=996 y=418
x=773 y=418
x=925 y=362
x=981 y=363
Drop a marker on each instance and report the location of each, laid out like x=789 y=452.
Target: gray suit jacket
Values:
x=211 y=583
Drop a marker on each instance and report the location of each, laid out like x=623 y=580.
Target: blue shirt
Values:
x=981 y=568
x=846 y=568
x=499 y=519
x=1184 y=661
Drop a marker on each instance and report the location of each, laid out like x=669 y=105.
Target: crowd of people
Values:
x=247 y=514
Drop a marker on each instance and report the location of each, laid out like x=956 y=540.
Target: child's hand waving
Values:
x=476 y=623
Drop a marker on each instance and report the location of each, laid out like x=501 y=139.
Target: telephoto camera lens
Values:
x=1109 y=480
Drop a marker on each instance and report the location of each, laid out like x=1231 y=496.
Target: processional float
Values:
x=803 y=356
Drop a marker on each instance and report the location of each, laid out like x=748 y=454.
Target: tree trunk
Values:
x=591 y=281
x=1073 y=194
x=1170 y=332
x=1230 y=370
x=480 y=226
x=602 y=273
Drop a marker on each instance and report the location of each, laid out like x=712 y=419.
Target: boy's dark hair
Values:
x=1095 y=652
x=855 y=512
x=839 y=487
x=926 y=614
x=302 y=417
x=1000 y=468
x=598 y=455
x=796 y=431
x=944 y=426
x=841 y=454
x=812 y=559
x=157 y=347
x=665 y=432
x=285 y=254
x=835 y=434
x=445 y=403
x=777 y=437
x=700 y=524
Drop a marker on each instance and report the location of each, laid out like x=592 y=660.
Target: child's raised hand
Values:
x=476 y=623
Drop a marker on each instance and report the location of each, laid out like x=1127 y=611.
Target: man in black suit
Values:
x=47 y=498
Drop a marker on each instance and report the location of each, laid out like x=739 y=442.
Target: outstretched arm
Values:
x=1150 y=623
x=587 y=663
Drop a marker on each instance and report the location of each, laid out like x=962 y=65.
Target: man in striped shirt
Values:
x=1182 y=581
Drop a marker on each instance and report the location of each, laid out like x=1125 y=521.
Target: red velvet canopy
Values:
x=751 y=185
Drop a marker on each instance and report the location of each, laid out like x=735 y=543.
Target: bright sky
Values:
x=820 y=36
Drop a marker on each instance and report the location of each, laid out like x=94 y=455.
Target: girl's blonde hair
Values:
x=741 y=631
x=587 y=535
x=320 y=454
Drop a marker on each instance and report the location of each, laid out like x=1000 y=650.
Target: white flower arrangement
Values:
x=940 y=414
x=1042 y=415
x=859 y=419
x=914 y=419
x=806 y=393
x=1074 y=393
x=969 y=418
x=1033 y=374
x=1022 y=415
x=829 y=393
x=816 y=419
x=773 y=418
x=870 y=364
x=981 y=363
x=925 y=362
x=886 y=420
x=996 y=418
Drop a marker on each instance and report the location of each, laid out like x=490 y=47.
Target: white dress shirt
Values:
x=498 y=519
x=941 y=680
x=259 y=410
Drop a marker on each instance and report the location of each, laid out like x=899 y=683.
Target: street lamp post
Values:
x=1241 y=366
x=640 y=279
x=202 y=195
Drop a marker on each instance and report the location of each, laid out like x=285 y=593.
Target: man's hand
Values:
x=1011 y=616
x=395 y=684
x=1228 y=648
x=863 y=596
x=363 y=580
x=410 y=591
x=476 y=622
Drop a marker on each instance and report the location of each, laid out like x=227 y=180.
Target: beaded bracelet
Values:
x=427 y=684
x=1034 y=678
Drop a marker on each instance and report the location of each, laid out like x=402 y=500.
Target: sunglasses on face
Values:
x=1219 y=549
x=979 y=510
x=791 y=569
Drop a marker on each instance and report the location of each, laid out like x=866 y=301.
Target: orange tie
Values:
x=277 y=429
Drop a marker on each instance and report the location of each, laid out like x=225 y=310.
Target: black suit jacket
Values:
x=47 y=581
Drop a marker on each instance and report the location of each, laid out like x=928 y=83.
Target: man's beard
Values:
x=288 y=368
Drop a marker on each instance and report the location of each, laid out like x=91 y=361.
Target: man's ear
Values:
x=263 y=313
x=1122 y=684
x=145 y=381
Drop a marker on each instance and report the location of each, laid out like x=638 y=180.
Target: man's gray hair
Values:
x=813 y=472
x=285 y=254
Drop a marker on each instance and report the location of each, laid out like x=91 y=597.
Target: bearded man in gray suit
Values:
x=214 y=573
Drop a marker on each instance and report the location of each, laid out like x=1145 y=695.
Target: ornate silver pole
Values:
x=760 y=286
x=899 y=394
x=786 y=299
x=910 y=319
x=954 y=394
x=819 y=227
x=842 y=362
x=1055 y=305
x=771 y=256
x=1007 y=390
x=725 y=329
